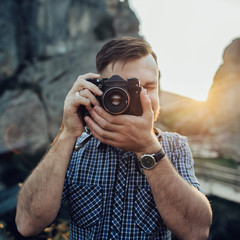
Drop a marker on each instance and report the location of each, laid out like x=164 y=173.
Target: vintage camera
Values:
x=119 y=96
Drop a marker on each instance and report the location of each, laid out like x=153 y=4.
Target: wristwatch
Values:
x=149 y=161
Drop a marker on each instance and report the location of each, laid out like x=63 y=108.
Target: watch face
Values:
x=148 y=161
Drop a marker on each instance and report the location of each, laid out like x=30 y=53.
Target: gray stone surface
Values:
x=44 y=46
x=23 y=122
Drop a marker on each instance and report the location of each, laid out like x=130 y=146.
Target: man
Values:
x=115 y=190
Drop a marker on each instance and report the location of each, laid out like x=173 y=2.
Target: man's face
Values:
x=145 y=69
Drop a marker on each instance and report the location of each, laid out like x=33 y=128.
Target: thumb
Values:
x=146 y=103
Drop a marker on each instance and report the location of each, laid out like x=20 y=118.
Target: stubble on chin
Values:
x=156 y=114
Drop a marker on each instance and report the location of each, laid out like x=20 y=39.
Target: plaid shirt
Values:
x=110 y=198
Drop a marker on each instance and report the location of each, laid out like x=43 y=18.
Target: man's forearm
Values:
x=40 y=196
x=183 y=208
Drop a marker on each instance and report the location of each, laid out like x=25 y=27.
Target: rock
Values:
x=223 y=100
x=9 y=59
x=23 y=123
x=55 y=90
x=45 y=45
x=216 y=121
x=126 y=22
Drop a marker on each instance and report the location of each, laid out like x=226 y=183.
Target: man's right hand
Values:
x=82 y=93
x=39 y=199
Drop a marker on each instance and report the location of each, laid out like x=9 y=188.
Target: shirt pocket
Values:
x=85 y=204
x=146 y=213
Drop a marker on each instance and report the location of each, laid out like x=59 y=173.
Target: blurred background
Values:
x=46 y=44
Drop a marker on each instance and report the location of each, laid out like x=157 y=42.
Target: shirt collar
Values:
x=100 y=144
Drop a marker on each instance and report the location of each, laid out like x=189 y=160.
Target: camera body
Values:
x=119 y=96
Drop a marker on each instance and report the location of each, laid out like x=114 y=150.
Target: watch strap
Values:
x=149 y=161
x=159 y=155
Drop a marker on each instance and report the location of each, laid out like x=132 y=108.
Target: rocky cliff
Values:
x=223 y=102
x=45 y=45
x=213 y=126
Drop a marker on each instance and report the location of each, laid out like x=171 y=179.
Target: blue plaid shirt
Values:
x=110 y=198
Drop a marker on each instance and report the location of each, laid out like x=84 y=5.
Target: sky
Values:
x=189 y=37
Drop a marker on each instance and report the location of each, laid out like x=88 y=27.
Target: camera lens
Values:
x=116 y=100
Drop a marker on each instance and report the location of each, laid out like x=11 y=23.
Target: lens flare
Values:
x=6 y=138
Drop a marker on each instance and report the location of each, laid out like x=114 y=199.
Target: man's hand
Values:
x=40 y=197
x=82 y=93
x=130 y=133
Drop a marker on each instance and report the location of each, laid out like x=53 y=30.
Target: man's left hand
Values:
x=127 y=132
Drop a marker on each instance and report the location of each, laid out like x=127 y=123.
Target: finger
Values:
x=113 y=119
x=83 y=97
x=87 y=94
x=101 y=139
x=146 y=103
x=103 y=122
x=76 y=101
x=82 y=83
x=102 y=134
x=116 y=122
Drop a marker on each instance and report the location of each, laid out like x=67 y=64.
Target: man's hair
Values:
x=124 y=49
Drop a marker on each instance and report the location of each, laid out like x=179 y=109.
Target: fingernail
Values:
x=145 y=91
